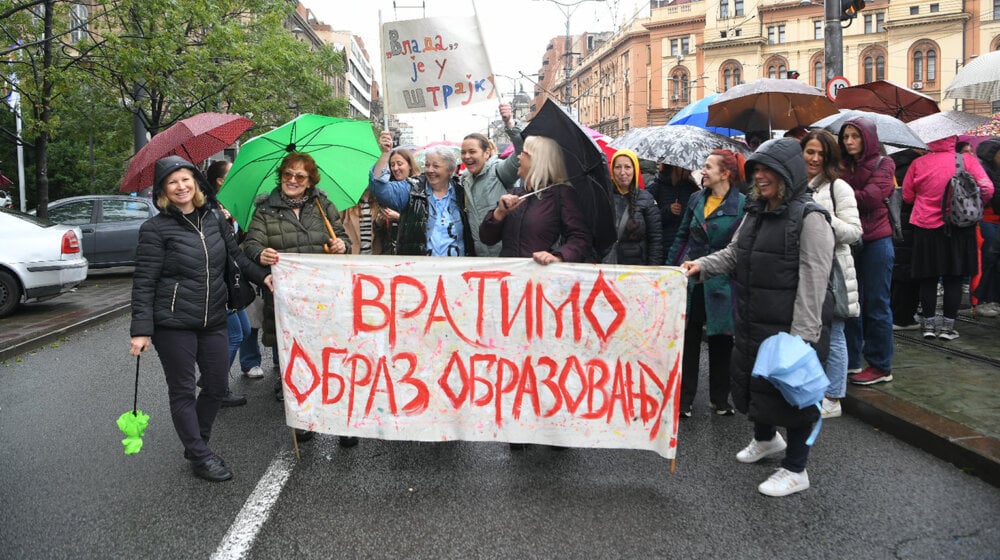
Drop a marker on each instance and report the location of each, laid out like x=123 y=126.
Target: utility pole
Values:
x=833 y=40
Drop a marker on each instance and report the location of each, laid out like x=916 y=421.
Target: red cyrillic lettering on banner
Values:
x=525 y=304
x=612 y=298
x=621 y=391
x=396 y=317
x=353 y=360
x=595 y=387
x=572 y=300
x=441 y=301
x=665 y=397
x=489 y=360
x=572 y=365
x=296 y=355
x=455 y=365
x=363 y=304
x=480 y=278
x=329 y=374
x=381 y=372
x=552 y=384
x=421 y=400
x=528 y=385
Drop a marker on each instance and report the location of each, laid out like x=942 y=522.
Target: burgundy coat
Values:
x=538 y=223
x=873 y=177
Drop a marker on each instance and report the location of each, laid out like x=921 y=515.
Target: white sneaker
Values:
x=988 y=310
x=757 y=450
x=831 y=409
x=784 y=482
x=254 y=373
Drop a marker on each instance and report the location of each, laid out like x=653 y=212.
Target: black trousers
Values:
x=797 y=452
x=183 y=354
x=720 y=350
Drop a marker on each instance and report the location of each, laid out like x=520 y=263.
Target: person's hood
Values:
x=784 y=156
x=635 y=165
x=868 y=133
x=987 y=150
x=946 y=144
x=168 y=165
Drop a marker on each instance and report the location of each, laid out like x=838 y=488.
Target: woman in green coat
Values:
x=711 y=217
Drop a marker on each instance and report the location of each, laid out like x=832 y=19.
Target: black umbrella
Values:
x=587 y=167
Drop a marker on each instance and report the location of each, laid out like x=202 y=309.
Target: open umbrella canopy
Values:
x=891 y=131
x=194 y=139
x=979 y=79
x=887 y=98
x=680 y=145
x=945 y=124
x=344 y=150
x=769 y=104
x=696 y=114
x=587 y=167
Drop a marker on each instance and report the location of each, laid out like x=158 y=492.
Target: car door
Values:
x=117 y=230
x=78 y=213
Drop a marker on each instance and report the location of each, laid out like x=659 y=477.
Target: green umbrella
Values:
x=344 y=150
x=133 y=423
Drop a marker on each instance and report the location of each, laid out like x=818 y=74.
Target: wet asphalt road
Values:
x=67 y=491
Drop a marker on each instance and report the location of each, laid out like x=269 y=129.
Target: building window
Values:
x=772 y=72
x=675 y=47
x=776 y=34
x=869 y=23
x=879 y=67
x=935 y=8
x=724 y=9
x=679 y=88
x=78 y=22
x=818 y=29
x=918 y=66
x=737 y=32
x=914 y=10
x=931 y=66
x=731 y=74
x=782 y=72
x=818 y=80
x=781 y=34
x=685 y=45
x=739 y=8
x=996 y=9
x=869 y=69
x=771 y=34
x=880 y=22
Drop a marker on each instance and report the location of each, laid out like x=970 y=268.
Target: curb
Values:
x=973 y=452
x=28 y=344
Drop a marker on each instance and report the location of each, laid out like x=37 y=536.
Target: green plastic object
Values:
x=133 y=424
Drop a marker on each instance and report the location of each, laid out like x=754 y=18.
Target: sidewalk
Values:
x=945 y=397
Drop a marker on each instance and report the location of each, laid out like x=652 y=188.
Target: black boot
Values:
x=232 y=399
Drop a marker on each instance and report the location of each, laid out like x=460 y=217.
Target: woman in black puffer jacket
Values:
x=179 y=299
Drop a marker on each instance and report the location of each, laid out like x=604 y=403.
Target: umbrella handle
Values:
x=135 y=397
x=329 y=226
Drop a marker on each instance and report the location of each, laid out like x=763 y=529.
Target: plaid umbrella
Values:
x=979 y=79
x=194 y=139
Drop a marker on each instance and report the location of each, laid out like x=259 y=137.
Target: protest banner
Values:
x=435 y=64
x=478 y=349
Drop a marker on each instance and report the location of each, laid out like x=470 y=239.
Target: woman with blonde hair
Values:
x=533 y=226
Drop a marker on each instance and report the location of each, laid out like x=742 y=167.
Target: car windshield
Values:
x=27 y=217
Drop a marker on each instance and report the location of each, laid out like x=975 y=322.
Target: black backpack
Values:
x=962 y=204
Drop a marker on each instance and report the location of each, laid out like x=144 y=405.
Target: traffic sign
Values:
x=834 y=85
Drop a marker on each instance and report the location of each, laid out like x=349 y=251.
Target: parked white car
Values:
x=39 y=259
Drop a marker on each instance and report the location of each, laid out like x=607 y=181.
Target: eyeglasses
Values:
x=289 y=175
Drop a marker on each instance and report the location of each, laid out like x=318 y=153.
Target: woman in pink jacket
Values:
x=942 y=252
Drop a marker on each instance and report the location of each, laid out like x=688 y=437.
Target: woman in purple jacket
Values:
x=547 y=227
x=871 y=175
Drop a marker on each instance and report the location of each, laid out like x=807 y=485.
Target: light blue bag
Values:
x=793 y=367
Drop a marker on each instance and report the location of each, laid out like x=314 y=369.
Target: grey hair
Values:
x=443 y=153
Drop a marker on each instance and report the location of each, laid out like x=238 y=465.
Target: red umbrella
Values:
x=887 y=98
x=194 y=138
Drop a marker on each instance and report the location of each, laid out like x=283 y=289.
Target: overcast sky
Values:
x=516 y=34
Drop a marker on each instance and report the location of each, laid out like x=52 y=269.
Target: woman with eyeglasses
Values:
x=290 y=219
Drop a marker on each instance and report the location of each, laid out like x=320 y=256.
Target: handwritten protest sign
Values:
x=478 y=349
x=435 y=64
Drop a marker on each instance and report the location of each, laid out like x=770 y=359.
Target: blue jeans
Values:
x=870 y=334
x=238 y=325
x=836 y=362
x=250 y=350
x=989 y=232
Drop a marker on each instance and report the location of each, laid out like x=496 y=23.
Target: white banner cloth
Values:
x=478 y=349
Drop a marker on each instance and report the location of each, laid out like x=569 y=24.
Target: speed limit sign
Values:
x=835 y=85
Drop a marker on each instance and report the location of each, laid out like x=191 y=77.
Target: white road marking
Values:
x=242 y=533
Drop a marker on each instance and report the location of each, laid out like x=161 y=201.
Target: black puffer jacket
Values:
x=180 y=272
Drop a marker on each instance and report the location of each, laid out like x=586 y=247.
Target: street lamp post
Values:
x=833 y=40
x=568 y=8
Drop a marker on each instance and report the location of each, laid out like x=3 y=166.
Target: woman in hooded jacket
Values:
x=640 y=236
x=780 y=260
x=941 y=251
x=822 y=155
x=179 y=297
x=870 y=174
